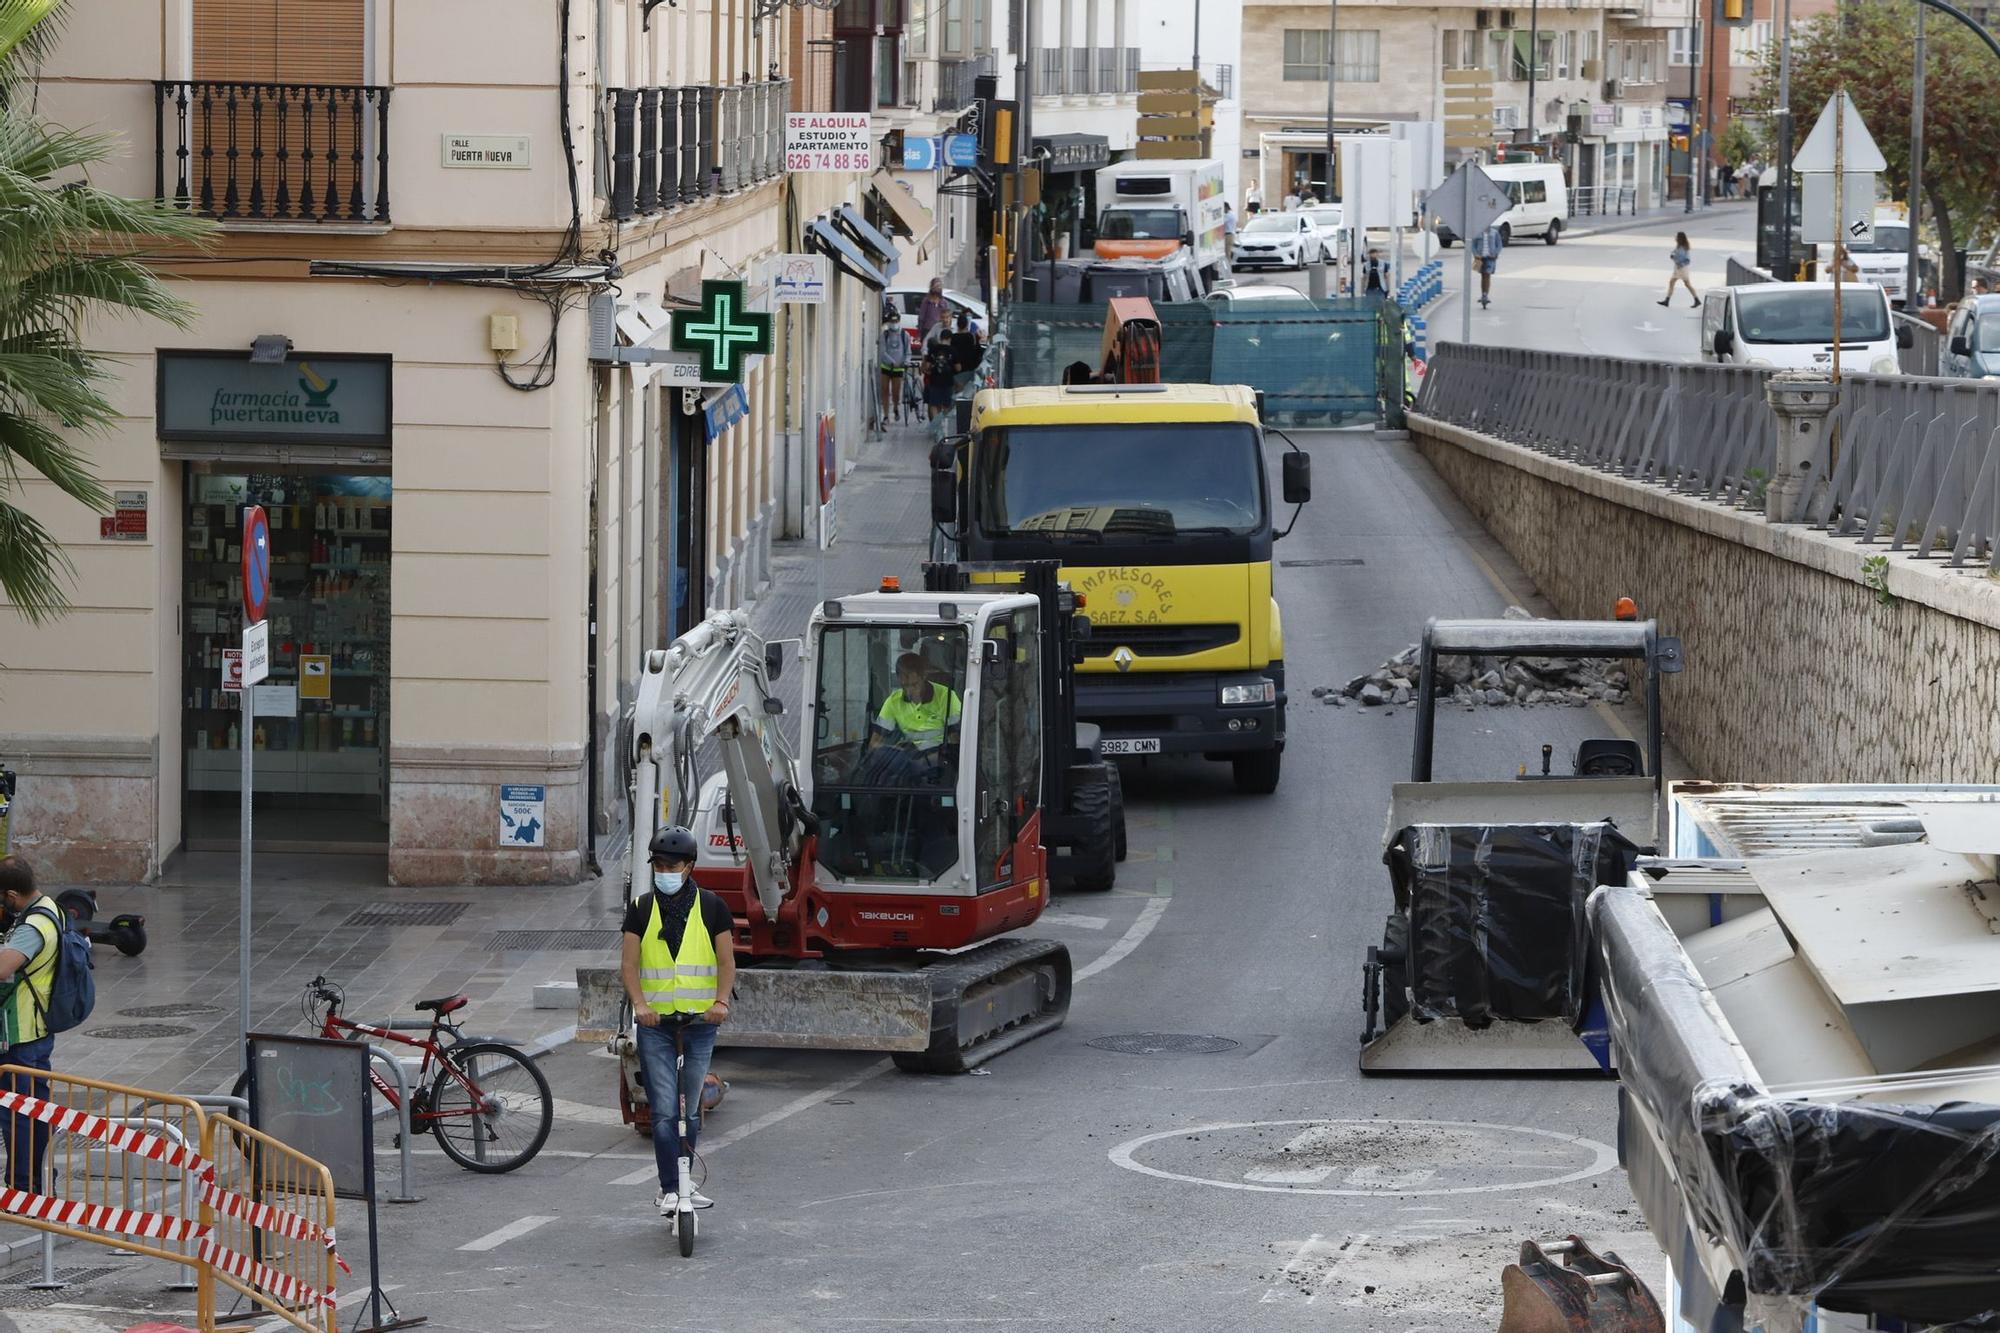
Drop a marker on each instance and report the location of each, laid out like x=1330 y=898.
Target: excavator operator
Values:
x=917 y=715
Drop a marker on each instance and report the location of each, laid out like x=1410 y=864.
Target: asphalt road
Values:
x=1594 y=293
x=1070 y=1185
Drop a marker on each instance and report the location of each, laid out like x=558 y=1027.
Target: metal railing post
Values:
x=402 y=1119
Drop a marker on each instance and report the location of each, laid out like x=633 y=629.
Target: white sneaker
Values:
x=701 y=1200
x=668 y=1202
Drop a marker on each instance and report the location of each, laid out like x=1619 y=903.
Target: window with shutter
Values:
x=280 y=41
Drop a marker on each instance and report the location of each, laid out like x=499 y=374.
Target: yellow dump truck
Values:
x=1156 y=499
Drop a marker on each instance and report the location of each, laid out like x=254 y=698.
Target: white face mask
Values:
x=669 y=881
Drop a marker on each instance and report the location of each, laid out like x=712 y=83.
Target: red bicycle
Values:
x=487 y=1104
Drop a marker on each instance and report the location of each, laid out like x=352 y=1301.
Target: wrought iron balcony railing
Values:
x=669 y=147
x=273 y=152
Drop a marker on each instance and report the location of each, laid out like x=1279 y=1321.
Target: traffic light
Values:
x=1734 y=13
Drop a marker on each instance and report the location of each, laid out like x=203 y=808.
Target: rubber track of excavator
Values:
x=981 y=990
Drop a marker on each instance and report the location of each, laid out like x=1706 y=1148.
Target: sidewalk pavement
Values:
x=1601 y=224
x=167 y=1020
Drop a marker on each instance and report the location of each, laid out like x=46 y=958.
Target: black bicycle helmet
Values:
x=672 y=844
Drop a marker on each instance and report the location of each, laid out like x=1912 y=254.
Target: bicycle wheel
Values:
x=502 y=1118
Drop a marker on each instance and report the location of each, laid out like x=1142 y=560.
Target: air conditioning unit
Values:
x=1614 y=89
x=1507 y=20
x=1483 y=18
x=1592 y=71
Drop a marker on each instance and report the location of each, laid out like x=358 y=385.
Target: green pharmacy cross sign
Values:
x=722 y=331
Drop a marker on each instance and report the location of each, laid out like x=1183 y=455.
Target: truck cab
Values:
x=1155 y=500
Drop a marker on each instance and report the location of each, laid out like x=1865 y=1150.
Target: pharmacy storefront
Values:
x=306 y=436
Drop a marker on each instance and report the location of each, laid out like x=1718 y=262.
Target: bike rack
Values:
x=402 y=1118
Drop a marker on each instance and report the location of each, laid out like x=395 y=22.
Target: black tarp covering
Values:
x=1497 y=926
x=1866 y=1207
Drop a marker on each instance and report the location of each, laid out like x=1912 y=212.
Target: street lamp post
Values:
x=1913 y=286
x=1534 y=60
x=1332 y=67
x=1694 y=69
x=1785 y=146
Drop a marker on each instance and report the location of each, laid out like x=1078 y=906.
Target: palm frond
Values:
x=33 y=568
x=23 y=36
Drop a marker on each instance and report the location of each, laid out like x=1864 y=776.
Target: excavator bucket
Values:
x=1585 y=1293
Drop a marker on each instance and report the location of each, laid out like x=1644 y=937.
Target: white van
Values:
x=1541 y=201
x=1789 y=325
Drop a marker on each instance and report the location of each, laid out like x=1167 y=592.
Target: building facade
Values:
x=450 y=233
x=1391 y=62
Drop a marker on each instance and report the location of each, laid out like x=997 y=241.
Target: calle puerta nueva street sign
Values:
x=722 y=332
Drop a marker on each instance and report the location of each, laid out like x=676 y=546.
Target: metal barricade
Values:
x=271 y=1228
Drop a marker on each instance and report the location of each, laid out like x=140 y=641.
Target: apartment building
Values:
x=450 y=232
x=1388 y=61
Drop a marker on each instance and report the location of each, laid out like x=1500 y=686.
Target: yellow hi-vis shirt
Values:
x=678 y=980
x=921 y=724
x=24 y=1011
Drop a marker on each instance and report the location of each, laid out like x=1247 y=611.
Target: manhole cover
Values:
x=16 y=1295
x=1163 y=1043
x=407 y=914
x=139 y=1031
x=170 y=1011
x=1367 y=1158
x=532 y=941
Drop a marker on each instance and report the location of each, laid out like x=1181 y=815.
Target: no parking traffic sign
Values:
x=256 y=563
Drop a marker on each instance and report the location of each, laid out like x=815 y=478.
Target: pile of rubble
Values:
x=1474 y=682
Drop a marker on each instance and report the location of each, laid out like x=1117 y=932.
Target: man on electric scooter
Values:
x=678 y=966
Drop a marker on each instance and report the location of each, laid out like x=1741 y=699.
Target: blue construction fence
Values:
x=1317 y=362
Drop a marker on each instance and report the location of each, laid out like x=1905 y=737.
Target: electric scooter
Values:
x=684 y=1219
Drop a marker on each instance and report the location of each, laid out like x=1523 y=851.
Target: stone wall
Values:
x=1796 y=670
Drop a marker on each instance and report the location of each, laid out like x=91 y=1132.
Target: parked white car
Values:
x=1279 y=240
x=1326 y=222
x=1789 y=326
x=1248 y=292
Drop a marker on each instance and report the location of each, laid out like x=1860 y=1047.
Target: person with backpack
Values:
x=28 y=966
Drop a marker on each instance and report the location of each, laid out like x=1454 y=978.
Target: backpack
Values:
x=73 y=988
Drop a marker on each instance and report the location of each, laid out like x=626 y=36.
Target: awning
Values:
x=823 y=237
x=850 y=220
x=911 y=216
x=1073 y=152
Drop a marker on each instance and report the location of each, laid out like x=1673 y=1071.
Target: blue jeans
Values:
x=656 y=1061
x=24 y=1171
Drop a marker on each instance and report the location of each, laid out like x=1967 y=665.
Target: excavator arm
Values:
x=714 y=682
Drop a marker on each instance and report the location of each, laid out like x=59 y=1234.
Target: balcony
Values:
x=1080 y=71
x=273 y=152
x=671 y=147
x=956 y=79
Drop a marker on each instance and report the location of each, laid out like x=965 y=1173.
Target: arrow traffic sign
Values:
x=722 y=331
x=1857 y=144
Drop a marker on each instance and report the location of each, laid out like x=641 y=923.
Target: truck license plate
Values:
x=1151 y=745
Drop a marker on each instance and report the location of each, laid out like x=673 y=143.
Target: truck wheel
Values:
x=1554 y=232
x=1256 y=773
x=1117 y=809
x=1096 y=851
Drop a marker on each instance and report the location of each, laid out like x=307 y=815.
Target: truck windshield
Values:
x=1890 y=239
x=1140 y=224
x=1132 y=481
x=1778 y=316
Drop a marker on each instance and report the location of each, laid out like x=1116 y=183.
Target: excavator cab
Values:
x=925 y=741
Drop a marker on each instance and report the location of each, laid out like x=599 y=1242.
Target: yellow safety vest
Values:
x=678 y=980
x=28 y=1004
x=921 y=724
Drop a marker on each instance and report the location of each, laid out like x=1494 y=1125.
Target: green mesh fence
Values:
x=1317 y=362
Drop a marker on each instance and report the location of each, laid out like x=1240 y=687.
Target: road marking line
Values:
x=1073 y=920
x=493 y=1240
x=585 y=1113
x=1348 y=1249
x=1271 y=1292
x=1134 y=936
x=768 y=1119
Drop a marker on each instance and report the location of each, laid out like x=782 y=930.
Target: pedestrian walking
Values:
x=1486 y=249
x=1378 y=271
x=1291 y=203
x=937 y=372
x=892 y=362
x=1253 y=198
x=1229 y=231
x=679 y=965
x=933 y=310
x=966 y=353
x=27 y=977
x=1683 y=260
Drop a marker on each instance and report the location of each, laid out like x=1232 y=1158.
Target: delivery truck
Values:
x=1151 y=209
